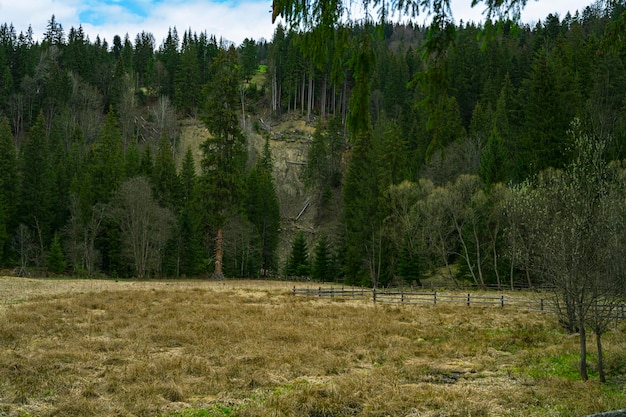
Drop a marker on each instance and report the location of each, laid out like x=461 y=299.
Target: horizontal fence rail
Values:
x=434 y=298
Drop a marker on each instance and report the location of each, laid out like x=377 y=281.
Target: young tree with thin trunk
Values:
x=575 y=219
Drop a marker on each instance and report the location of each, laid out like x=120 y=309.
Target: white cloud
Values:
x=231 y=20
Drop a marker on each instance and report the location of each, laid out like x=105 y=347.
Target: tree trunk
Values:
x=219 y=254
x=600 y=356
x=583 y=349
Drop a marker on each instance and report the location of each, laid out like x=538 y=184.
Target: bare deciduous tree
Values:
x=82 y=233
x=146 y=227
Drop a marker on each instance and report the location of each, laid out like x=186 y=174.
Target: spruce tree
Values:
x=8 y=188
x=56 y=261
x=37 y=186
x=263 y=210
x=165 y=179
x=224 y=152
x=188 y=235
x=298 y=262
x=323 y=268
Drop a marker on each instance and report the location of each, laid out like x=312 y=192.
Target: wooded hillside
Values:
x=416 y=163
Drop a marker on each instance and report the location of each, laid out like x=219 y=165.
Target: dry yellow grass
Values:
x=249 y=348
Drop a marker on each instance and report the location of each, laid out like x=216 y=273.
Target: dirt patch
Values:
x=289 y=142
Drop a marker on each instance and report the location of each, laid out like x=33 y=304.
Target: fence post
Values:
x=374 y=295
x=319 y=292
x=402 y=295
x=435 y=298
x=502 y=301
x=468 y=299
x=541 y=305
x=294 y=290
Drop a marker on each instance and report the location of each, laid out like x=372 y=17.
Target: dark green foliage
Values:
x=409 y=266
x=55 y=262
x=509 y=90
x=146 y=166
x=323 y=171
x=187 y=79
x=106 y=161
x=495 y=161
x=224 y=151
x=298 y=263
x=323 y=268
x=8 y=189
x=165 y=181
x=249 y=62
x=263 y=211
x=37 y=185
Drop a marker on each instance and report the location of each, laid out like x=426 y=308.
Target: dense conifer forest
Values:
x=465 y=160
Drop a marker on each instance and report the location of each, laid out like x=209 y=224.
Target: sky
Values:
x=231 y=20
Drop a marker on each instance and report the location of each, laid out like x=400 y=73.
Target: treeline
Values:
x=422 y=146
x=448 y=135
x=90 y=175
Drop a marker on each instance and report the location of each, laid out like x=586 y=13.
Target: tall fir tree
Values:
x=165 y=179
x=263 y=210
x=224 y=151
x=8 y=189
x=37 y=185
x=298 y=263
x=192 y=256
x=323 y=268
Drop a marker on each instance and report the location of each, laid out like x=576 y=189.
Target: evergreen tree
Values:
x=146 y=166
x=187 y=80
x=106 y=161
x=249 y=62
x=263 y=210
x=192 y=256
x=495 y=162
x=409 y=265
x=56 y=260
x=323 y=268
x=37 y=186
x=298 y=262
x=8 y=188
x=224 y=152
x=132 y=162
x=165 y=180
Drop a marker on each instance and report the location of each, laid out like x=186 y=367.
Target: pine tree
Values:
x=56 y=260
x=187 y=80
x=106 y=162
x=164 y=177
x=146 y=166
x=263 y=210
x=8 y=188
x=323 y=268
x=495 y=165
x=224 y=152
x=132 y=162
x=298 y=263
x=37 y=186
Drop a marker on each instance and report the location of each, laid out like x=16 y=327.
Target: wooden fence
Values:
x=428 y=298
x=433 y=298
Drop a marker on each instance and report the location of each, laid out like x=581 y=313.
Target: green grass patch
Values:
x=262 y=69
x=215 y=411
x=564 y=366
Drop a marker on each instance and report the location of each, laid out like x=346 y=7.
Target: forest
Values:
x=490 y=154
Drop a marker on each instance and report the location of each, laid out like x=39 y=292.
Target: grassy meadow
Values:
x=249 y=348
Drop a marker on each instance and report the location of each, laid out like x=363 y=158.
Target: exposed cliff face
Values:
x=289 y=143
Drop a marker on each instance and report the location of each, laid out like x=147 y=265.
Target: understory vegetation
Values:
x=242 y=348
